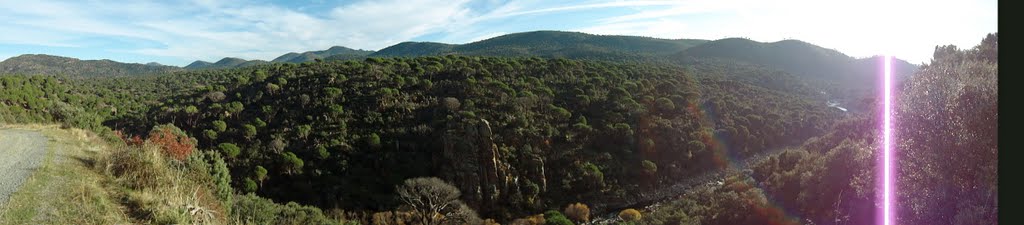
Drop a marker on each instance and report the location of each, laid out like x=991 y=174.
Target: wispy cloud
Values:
x=209 y=30
x=907 y=29
x=181 y=31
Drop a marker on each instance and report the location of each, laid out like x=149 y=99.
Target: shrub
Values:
x=172 y=141
x=373 y=140
x=220 y=126
x=322 y=152
x=250 y=131
x=552 y=217
x=304 y=130
x=293 y=162
x=210 y=135
x=649 y=167
x=230 y=150
x=430 y=196
x=629 y=215
x=593 y=177
x=250 y=185
x=530 y=220
x=221 y=178
x=253 y=209
x=665 y=104
x=578 y=212
x=261 y=173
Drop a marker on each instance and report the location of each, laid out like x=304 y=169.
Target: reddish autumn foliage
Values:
x=172 y=141
x=134 y=140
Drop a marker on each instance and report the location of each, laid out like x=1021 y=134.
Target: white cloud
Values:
x=486 y=36
x=906 y=29
x=211 y=29
x=383 y=23
x=662 y=28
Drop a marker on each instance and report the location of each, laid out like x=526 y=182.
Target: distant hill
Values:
x=414 y=49
x=59 y=65
x=549 y=44
x=225 y=63
x=797 y=57
x=841 y=77
x=337 y=52
x=198 y=64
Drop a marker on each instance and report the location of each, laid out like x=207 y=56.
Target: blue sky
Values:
x=179 y=32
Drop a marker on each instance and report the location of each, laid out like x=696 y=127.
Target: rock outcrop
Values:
x=472 y=162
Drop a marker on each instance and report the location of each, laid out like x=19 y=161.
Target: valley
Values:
x=543 y=127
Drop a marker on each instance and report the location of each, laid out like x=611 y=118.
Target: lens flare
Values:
x=887 y=156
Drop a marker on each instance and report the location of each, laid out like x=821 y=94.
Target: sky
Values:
x=179 y=32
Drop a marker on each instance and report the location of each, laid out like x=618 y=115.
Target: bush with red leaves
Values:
x=172 y=141
x=134 y=140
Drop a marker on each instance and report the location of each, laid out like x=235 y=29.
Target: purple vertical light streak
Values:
x=887 y=155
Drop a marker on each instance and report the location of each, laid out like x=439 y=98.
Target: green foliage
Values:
x=553 y=44
x=249 y=185
x=322 y=152
x=256 y=210
x=948 y=137
x=569 y=129
x=560 y=112
x=261 y=173
x=45 y=99
x=234 y=107
x=588 y=123
x=210 y=135
x=553 y=217
x=373 y=140
x=292 y=162
x=593 y=178
x=221 y=177
x=230 y=150
x=303 y=131
x=249 y=131
x=57 y=65
x=220 y=126
x=666 y=104
x=649 y=167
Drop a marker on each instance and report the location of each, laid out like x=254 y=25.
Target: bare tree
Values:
x=435 y=202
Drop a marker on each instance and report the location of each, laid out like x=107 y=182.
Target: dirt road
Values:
x=21 y=153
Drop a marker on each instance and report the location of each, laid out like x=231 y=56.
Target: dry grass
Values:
x=160 y=190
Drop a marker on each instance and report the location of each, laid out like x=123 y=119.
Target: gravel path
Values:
x=21 y=153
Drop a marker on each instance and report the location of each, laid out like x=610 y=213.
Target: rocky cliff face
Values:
x=471 y=161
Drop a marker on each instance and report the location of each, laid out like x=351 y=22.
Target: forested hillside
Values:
x=555 y=130
x=535 y=127
x=333 y=53
x=57 y=65
x=573 y=45
x=227 y=62
x=945 y=142
x=46 y=99
x=841 y=77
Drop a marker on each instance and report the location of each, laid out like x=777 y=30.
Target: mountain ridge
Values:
x=62 y=65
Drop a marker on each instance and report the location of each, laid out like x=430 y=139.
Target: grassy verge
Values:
x=84 y=179
x=65 y=189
